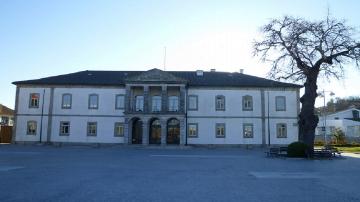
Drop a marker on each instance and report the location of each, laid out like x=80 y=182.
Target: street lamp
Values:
x=322 y=94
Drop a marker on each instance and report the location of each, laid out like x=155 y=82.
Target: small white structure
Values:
x=348 y=120
x=157 y=107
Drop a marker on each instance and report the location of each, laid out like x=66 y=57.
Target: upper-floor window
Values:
x=34 y=100
x=220 y=103
x=119 y=102
x=355 y=114
x=220 y=130
x=119 y=129
x=156 y=103
x=193 y=102
x=139 y=103
x=193 y=129
x=91 y=128
x=4 y=120
x=31 y=127
x=248 y=130
x=66 y=101
x=173 y=103
x=93 y=101
x=247 y=103
x=281 y=131
x=64 y=128
x=280 y=102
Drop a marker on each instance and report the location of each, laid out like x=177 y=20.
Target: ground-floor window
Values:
x=31 y=127
x=248 y=130
x=64 y=128
x=91 y=128
x=192 y=130
x=220 y=130
x=281 y=131
x=119 y=129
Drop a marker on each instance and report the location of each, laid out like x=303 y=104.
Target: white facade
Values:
x=263 y=117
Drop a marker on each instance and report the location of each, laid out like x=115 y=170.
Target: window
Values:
x=64 y=128
x=139 y=103
x=192 y=130
x=31 y=127
x=220 y=103
x=280 y=103
x=247 y=103
x=34 y=100
x=66 y=101
x=119 y=102
x=156 y=103
x=248 y=130
x=355 y=114
x=220 y=130
x=119 y=129
x=173 y=103
x=93 y=101
x=91 y=128
x=193 y=102
x=281 y=130
x=4 y=120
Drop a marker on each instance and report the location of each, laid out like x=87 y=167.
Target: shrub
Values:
x=339 y=136
x=297 y=149
x=319 y=143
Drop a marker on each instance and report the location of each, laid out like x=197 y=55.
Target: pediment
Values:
x=155 y=76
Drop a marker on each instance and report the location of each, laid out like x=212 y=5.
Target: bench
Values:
x=333 y=150
x=273 y=152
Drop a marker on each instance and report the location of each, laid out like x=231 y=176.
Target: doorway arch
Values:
x=136 y=134
x=155 y=132
x=173 y=131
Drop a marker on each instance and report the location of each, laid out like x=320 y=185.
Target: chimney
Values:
x=241 y=71
x=199 y=72
x=212 y=70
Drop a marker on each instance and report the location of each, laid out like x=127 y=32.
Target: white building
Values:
x=156 y=107
x=347 y=120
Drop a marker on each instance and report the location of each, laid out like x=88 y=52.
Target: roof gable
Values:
x=154 y=76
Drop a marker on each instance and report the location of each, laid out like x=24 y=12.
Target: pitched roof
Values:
x=5 y=110
x=111 y=78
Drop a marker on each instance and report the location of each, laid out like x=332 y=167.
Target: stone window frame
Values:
x=88 y=129
x=152 y=103
x=30 y=100
x=27 y=127
x=196 y=130
x=196 y=103
x=97 y=101
x=252 y=130
x=117 y=124
x=278 y=135
x=244 y=99
x=216 y=129
x=118 y=96
x=276 y=103
x=178 y=103
x=221 y=97
x=143 y=103
x=60 y=128
x=62 y=101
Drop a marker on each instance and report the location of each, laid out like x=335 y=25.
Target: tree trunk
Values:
x=307 y=118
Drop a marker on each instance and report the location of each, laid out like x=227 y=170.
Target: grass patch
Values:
x=349 y=149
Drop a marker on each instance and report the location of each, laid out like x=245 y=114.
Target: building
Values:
x=6 y=116
x=157 y=107
x=347 y=120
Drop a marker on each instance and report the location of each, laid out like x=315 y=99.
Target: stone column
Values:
x=163 y=131
x=182 y=99
x=128 y=99
x=182 y=132
x=164 y=99
x=127 y=131
x=145 y=131
x=263 y=135
x=146 y=99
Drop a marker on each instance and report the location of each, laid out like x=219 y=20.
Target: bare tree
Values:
x=303 y=51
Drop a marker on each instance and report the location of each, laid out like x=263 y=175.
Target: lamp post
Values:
x=323 y=94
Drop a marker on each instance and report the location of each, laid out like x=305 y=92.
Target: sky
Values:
x=40 y=38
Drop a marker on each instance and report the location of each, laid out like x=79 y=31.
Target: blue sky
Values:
x=44 y=38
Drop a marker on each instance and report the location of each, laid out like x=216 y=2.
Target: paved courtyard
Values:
x=118 y=173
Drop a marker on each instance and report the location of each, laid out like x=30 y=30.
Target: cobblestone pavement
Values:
x=120 y=173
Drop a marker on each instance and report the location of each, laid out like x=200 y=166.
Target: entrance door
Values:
x=173 y=132
x=155 y=132
x=136 y=132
